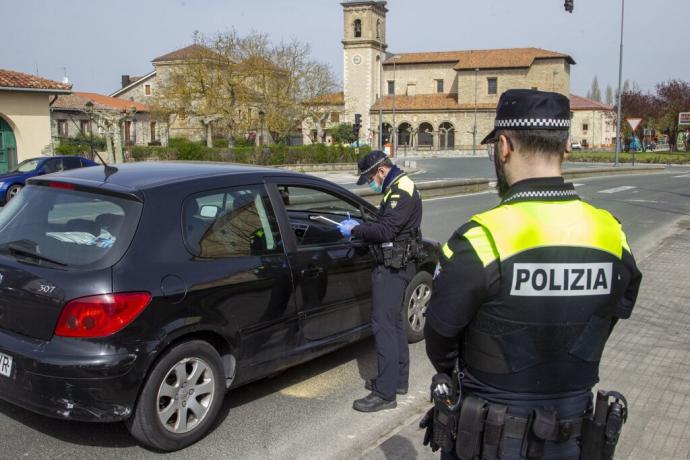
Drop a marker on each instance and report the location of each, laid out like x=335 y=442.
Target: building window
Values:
x=153 y=131
x=585 y=127
x=335 y=117
x=493 y=85
x=391 y=87
x=129 y=133
x=147 y=89
x=84 y=126
x=62 y=128
x=358 y=28
x=378 y=28
x=439 y=86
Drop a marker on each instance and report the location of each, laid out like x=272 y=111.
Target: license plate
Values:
x=5 y=365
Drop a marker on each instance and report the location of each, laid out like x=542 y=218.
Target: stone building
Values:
x=25 y=117
x=70 y=118
x=593 y=123
x=433 y=100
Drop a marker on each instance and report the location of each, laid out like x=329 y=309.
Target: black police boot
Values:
x=369 y=385
x=373 y=403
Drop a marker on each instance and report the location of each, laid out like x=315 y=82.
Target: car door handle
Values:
x=311 y=272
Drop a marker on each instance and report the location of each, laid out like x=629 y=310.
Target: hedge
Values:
x=274 y=154
x=625 y=157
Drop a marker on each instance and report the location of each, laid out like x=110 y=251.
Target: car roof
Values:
x=152 y=174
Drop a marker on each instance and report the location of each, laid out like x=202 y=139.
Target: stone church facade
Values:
x=435 y=100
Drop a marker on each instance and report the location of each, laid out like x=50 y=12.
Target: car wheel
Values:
x=13 y=190
x=417 y=297
x=181 y=397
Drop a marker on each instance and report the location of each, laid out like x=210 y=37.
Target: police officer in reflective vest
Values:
x=524 y=301
x=394 y=237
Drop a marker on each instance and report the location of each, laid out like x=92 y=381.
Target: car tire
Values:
x=416 y=301
x=12 y=191
x=170 y=399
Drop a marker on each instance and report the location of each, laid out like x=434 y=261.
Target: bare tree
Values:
x=609 y=95
x=595 y=91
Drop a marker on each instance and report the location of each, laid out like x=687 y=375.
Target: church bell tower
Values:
x=364 y=50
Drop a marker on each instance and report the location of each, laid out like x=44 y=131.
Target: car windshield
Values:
x=67 y=228
x=27 y=166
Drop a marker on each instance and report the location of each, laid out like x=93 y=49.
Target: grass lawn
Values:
x=647 y=157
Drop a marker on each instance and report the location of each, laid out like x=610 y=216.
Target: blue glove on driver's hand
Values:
x=346 y=227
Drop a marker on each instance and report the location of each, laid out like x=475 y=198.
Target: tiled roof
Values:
x=480 y=59
x=582 y=103
x=78 y=101
x=19 y=80
x=328 y=99
x=183 y=54
x=426 y=102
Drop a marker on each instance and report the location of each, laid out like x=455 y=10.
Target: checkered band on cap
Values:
x=533 y=123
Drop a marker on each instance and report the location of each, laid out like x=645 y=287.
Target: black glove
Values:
x=428 y=422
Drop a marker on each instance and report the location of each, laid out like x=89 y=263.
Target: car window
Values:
x=71 y=162
x=27 y=165
x=74 y=228
x=236 y=222
x=53 y=165
x=312 y=213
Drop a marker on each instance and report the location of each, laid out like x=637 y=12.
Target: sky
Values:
x=94 y=42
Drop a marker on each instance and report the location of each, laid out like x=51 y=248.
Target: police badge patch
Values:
x=393 y=204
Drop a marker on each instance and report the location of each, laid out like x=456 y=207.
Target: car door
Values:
x=241 y=269
x=332 y=274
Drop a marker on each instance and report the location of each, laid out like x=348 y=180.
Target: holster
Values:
x=445 y=426
x=470 y=427
x=602 y=428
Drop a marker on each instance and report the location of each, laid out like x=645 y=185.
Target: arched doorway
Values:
x=446 y=136
x=425 y=135
x=404 y=134
x=8 y=147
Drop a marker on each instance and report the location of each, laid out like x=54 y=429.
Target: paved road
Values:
x=306 y=411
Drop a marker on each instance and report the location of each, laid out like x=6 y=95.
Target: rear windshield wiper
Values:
x=16 y=249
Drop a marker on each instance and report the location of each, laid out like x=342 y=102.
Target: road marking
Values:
x=683 y=175
x=643 y=201
x=578 y=185
x=458 y=196
x=622 y=188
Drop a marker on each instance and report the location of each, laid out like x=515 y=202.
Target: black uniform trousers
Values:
x=390 y=331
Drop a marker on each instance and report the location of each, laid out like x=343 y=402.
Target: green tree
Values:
x=609 y=95
x=595 y=91
x=673 y=97
x=342 y=133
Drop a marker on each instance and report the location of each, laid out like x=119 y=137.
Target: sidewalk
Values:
x=647 y=359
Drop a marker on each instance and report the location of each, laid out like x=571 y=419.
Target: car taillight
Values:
x=62 y=185
x=100 y=315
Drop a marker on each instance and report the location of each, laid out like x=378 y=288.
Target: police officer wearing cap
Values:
x=527 y=295
x=393 y=238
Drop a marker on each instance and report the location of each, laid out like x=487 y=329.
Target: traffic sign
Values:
x=634 y=122
x=684 y=118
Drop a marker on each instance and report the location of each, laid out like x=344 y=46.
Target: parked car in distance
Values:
x=142 y=293
x=575 y=146
x=13 y=181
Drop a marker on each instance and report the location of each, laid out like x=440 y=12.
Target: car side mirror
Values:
x=208 y=211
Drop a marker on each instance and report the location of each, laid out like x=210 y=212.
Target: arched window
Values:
x=404 y=134
x=378 y=28
x=446 y=136
x=425 y=136
x=358 y=28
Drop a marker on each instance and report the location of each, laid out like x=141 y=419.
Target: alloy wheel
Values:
x=419 y=301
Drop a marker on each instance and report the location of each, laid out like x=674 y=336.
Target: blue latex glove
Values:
x=346 y=227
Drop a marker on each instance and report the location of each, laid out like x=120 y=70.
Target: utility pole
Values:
x=380 y=127
x=620 y=80
x=474 y=129
x=395 y=127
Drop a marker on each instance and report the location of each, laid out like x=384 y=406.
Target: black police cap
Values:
x=368 y=164
x=521 y=109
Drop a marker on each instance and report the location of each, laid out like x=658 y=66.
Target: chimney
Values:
x=125 y=80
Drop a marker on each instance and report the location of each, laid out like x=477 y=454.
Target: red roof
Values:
x=183 y=54
x=328 y=99
x=78 y=101
x=480 y=59
x=19 y=80
x=582 y=103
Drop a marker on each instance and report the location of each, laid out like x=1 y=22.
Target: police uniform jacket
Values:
x=528 y=292
x=400 y=212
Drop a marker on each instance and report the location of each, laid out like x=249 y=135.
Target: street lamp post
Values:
x=474 y=129
x=395 y=127
x=620 y=79
x=380 y=128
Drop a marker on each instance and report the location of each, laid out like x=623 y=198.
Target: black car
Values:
x=142 y=293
